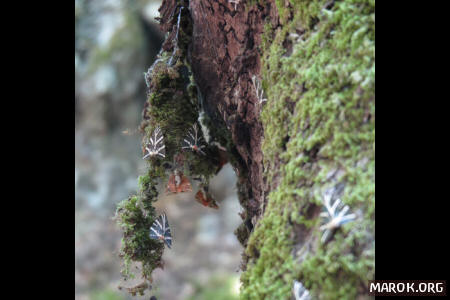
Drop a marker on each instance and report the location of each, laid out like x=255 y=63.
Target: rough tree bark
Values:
x=291 y=84
x=320 y=53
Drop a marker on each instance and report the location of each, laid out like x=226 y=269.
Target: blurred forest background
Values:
x=116 y=41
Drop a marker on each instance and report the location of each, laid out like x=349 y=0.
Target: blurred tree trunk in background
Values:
x=293 y=81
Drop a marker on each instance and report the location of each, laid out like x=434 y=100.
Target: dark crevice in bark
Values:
x=224 y=56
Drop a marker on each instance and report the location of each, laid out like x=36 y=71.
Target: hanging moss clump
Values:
x=173 y=104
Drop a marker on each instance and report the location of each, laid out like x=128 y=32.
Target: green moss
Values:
x=136 y=243
x=319 y=120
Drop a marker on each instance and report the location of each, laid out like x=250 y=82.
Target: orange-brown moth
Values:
x=178 y=183
x=205 y=198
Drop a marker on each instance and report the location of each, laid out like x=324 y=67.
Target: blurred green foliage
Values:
x=217 y=288
x=106 y=294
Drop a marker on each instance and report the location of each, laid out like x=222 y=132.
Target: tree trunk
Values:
x=291 y=83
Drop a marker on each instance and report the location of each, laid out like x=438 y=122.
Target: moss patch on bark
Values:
x=319 y=125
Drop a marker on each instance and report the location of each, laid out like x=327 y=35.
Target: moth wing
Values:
x=162 y=221
x=191 y=136
x=185 y=185
x=186 y=143
x=212 y=202
x=159 y=143
x=155 y=231
x=162 y=151
x=199 y=197
x=171 y=186
x=345 y=221
x=167 y=233
x=159 y=135
x=153 y=235
x=168 y=242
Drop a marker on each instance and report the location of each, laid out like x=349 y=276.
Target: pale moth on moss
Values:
x=258 y=89
x=300 y=292
x=155 y=145
x=193 y=141
x=333 y=217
